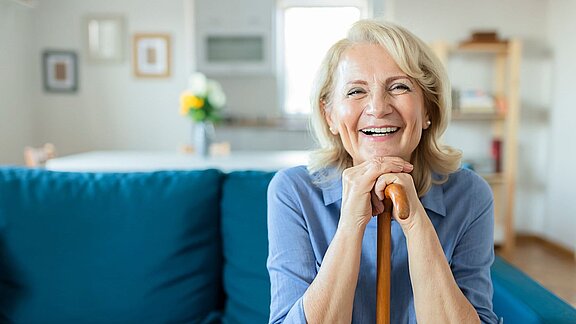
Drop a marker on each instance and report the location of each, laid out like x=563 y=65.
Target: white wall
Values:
x=559 y=220
x=112 y=109
x=115 y=110
x=16 y=126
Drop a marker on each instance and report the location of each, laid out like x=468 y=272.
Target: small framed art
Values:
x=60 y=71
x=151 y=55
x=104 y=38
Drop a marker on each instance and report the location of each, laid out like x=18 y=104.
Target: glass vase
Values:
x=203 y=137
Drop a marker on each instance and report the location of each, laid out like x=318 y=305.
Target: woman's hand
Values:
x=407 y=183
x=359 y=199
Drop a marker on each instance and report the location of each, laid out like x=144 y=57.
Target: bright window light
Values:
x=308 y=34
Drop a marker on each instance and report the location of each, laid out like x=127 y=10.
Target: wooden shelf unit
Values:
x=504 y=123
x=477 y=116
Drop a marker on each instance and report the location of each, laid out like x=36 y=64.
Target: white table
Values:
x=132 y=161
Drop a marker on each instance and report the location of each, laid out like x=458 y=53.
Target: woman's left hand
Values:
x=416 y=209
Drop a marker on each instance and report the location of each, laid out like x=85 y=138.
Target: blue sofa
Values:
x=162 y=247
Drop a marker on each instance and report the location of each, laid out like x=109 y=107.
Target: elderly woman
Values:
x=380 y=105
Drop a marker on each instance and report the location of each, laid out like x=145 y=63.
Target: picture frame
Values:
x=60 y=71
x=151 y=55
x=105 y=37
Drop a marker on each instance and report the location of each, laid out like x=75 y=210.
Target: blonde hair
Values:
x=418 y=61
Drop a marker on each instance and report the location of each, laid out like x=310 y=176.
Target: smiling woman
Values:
x=373 y=97
x=380 y=104
x=412 y=71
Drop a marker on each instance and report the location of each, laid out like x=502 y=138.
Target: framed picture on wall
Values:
x=104 y=38
x=60 y=71
x=151 y=55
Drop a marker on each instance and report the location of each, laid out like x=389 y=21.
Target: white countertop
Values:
x=133 y=161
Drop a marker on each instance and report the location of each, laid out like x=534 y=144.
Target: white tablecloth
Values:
x=131 y=161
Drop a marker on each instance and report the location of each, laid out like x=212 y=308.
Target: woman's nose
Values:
x=379 y=105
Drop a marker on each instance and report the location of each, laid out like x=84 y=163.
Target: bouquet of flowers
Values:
x=203 y=99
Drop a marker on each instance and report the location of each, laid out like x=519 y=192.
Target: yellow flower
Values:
x=196 y=102
x=189 y=101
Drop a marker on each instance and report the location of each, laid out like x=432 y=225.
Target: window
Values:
x=307 y=29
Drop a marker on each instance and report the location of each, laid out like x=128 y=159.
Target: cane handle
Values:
x=396 y=193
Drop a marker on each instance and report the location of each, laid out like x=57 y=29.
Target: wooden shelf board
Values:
x=493 y=178
x=456 y=115
x=494 y=48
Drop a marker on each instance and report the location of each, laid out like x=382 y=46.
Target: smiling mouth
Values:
x=382 y=131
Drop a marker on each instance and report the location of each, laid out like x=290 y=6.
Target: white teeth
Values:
x=381 y=131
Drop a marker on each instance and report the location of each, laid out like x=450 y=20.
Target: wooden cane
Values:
x=395 y=197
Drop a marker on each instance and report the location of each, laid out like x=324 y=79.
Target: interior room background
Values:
x=113 y=110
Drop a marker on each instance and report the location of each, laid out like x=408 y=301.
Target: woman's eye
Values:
x=399 y=88
x=355 y=92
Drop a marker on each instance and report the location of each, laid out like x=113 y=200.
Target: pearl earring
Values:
x=428 y=123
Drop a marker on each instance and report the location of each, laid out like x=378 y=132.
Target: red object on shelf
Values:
x=497 y=154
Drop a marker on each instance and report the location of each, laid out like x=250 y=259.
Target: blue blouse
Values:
x=302 y=220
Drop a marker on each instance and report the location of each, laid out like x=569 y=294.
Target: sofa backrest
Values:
x=245 y=243
x=110 y=248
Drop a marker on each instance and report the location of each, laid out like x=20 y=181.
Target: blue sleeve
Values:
x=474 y=253
x=291 y=262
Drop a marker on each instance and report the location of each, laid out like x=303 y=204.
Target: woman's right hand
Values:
x=359 y=202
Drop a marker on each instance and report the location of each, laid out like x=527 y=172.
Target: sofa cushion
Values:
x=109 y=248
x=520 y=299
x=245 y=242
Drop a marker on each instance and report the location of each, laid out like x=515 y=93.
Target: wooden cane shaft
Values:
x=383 y=265
x=395 y=198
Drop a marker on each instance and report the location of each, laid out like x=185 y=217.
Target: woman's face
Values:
x=376 y=109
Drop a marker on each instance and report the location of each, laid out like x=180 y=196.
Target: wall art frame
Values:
x=151 y=55
x=60 y=71
x=105 y=37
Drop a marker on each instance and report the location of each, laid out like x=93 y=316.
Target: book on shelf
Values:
x=474 y=102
